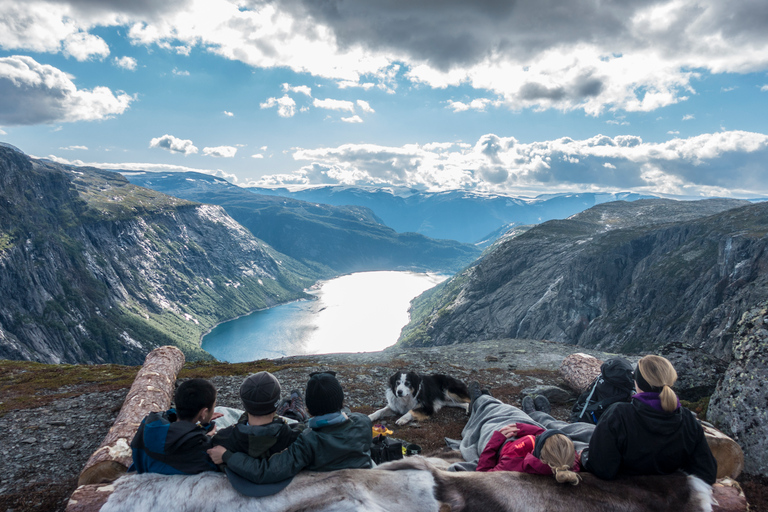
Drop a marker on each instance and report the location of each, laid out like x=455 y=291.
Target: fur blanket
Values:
x=413 y=484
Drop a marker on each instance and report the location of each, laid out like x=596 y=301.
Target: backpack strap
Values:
x=586 y=404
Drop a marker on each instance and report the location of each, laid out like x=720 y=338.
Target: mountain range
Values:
x=343 y=238
x=468 y=217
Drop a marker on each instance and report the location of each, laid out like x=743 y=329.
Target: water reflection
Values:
x=361 y=312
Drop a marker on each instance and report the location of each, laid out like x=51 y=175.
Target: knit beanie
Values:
x=324 y=394
x=260 y=393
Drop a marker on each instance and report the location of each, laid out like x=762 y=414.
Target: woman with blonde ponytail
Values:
x=651 y=435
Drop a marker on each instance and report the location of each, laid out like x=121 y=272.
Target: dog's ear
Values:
x=393 y=380
x=415 y=379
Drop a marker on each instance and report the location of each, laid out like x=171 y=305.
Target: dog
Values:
x=418 y=396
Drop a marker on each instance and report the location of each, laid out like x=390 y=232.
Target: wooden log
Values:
x=152 y=390
x=89 y=498
x=579 y=371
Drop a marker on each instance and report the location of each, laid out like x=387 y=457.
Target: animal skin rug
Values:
x=339 y=491
x=415 y=484
x=507 y=491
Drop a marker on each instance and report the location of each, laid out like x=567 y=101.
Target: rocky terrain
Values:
x=621 y=277
x=46 y=435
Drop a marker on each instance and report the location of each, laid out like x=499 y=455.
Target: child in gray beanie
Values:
x=335 y=439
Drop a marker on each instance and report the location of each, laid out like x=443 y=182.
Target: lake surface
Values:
x=362 y=312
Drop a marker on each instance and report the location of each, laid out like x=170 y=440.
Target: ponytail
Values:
x=559 y=454
x=659 y=374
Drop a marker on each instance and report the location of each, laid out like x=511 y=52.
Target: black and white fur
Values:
x=418 y=396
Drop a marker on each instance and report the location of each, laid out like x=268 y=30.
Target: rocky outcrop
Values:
x=94 y=269
x=626 y=277
x=739 y=406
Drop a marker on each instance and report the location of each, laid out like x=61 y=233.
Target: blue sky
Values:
x=520 y=98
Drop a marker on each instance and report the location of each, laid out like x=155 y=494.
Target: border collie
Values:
x=418 y=396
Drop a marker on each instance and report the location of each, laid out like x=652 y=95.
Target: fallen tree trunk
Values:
x=152 y=390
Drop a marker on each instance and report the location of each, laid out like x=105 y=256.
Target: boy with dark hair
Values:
x=335 y=439
x=175 y=442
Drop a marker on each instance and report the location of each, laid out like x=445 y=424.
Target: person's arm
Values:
x=525 y=429
x=278 y=467
x=490 y=455
x=702 y=463
x=605 y=448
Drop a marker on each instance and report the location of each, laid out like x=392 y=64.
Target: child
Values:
x=335 y=439
x=175 y=442
x=259 y=432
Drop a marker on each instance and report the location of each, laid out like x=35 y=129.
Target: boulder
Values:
x=579 y=370
x=738 y=406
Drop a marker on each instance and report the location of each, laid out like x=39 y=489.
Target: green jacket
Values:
x=261 y=441
x=347 y=445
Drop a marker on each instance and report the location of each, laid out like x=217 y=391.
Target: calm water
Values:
x=361 y=312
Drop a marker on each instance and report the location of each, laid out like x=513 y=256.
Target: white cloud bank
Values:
x=174 y=144
x=724 y=163
x=34 y=93
x=632 y=56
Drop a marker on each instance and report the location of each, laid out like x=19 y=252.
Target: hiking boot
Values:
x=298 y=407
x=527 y=405
x=282 y=407
x=474 y=393
x=541 y=403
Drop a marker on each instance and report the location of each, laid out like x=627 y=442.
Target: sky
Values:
x=508 y=97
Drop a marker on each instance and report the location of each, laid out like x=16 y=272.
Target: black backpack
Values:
x=386 y=449
x=616 y=383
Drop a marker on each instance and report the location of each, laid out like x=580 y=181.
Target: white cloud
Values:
x=478 y=104
x=352 y=119
x=257 y=155
x=263 y=148
x=73 y=148
x=286 y=106
x=688 y=117
x=173 y=144
x=633 y=56
x=301 y=89
x=764 y=88
x=365 y=106
x=228 y=114
x=34 y=93
x=729 y=89
x=180 y=72
x=220 y=151
x=708 y=164
x=332 y=104
x=125 y=62
x=673 y=132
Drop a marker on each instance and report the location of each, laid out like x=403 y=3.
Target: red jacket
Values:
x=516 y=455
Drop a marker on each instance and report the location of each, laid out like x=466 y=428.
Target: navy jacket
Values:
x=164 y=445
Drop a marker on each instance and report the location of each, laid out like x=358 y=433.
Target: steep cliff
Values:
x=620 y=277
x=94 y=269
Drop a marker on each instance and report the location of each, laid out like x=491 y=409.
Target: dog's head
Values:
x=404 y=384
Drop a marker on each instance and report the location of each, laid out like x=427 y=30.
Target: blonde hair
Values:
x=559 y=454
x=659 y=373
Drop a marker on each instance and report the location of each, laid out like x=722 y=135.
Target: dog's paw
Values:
x=402 y=421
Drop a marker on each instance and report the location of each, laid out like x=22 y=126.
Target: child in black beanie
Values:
x=335 y=439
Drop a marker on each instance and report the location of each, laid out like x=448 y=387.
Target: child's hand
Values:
x=509 y=431
x=215 y=454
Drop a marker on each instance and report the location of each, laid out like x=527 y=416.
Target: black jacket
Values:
x=347 y=445
x=164 y=445
x=258 y=440
x=636 y=439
